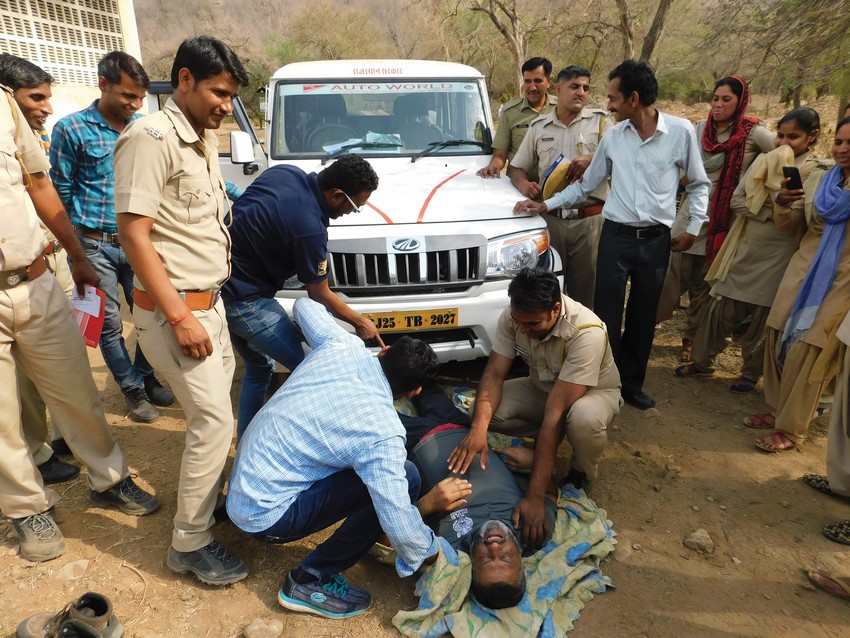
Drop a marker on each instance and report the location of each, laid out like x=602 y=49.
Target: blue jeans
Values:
x=340 y=496
x=262 y=333
x=111 y=265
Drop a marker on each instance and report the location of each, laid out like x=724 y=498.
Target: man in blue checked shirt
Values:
x=81 y=151
x=330 y=446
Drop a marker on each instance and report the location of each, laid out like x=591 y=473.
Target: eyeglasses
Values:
x=354 y=207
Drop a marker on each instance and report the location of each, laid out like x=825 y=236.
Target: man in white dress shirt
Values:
x=643 y=155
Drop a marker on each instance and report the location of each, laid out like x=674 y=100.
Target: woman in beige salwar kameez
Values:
x=814 y=294
x=752 y=260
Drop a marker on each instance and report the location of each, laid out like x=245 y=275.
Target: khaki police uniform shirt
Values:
x=576 y=350
x=549 y=137
x=21 y=240
x=165 y=171
x=514 y=121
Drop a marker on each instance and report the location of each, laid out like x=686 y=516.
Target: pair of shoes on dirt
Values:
x=40 y=536
x=837 y=531
x=90 y=616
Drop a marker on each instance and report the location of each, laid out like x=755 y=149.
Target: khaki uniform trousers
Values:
x=838 y=439
x=39 y=334
x=577 y=241
x=721 y=318
x=203 y=388
x=793 y=399
x=522 y=408
x=33 y=409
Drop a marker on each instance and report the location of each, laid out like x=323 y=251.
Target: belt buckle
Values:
x=13 y=280
x=639 y=232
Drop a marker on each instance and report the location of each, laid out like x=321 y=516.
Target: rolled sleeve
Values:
x=505 y=341
x=381 y=468
x=525 y=158
x=141 y=173
x=584 y=355
x=315 y=322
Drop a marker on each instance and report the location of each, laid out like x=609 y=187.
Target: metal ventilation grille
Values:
x=66 y=38
x=424 y=271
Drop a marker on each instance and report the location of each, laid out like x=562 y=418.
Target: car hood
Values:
x=433 y=190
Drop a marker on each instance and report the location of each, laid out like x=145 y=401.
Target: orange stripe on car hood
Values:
x=431 y=194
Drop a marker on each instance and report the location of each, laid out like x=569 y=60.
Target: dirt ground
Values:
x=688 y=465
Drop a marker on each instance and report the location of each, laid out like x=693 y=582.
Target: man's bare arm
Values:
x=49 y=208
x=530 y=511
x=487 y=400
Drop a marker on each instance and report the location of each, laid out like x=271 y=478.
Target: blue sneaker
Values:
x=332 y=599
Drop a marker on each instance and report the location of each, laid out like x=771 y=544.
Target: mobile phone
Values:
x=792 y=173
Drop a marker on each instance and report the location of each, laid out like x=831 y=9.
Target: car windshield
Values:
x=378 y=118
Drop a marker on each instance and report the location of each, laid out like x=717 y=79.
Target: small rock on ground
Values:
x=263 y=628
x=700 y=541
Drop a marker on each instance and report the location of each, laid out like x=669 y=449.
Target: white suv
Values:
x=433 y=251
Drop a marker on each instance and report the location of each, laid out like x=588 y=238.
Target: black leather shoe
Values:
x=639 y=400
x=55 y=471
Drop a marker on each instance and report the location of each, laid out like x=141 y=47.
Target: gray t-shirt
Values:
x=495 y=492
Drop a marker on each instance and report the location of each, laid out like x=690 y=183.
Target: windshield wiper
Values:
x=433 y=146
x=363 y=144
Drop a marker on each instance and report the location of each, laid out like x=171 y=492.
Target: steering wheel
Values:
x=325 y=134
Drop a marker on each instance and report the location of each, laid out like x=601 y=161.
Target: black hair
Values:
x=533 y=63
x=18 y=73
x=408 y=364
x=351 y=174
x=636 y=77
x=734 y=85
x=844 y=121
x=572 y=71
x=499 y=595
x=206 y=56
x=114 y=63
x=534 y=290
x=806 y=119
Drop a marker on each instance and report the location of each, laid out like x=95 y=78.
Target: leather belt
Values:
x=11 y=278
x=52 y=247
x=195 y=300
x=99 y=235
x=579 y=213
x=638 y=232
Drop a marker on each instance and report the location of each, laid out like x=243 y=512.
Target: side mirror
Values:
x=242 y=151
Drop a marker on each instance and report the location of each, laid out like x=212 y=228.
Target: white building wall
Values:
x=67 y=38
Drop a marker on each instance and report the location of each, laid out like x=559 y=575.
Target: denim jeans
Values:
x=262 y=333
x=111 y=265
x=339 y=496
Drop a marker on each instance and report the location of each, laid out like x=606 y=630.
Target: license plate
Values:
x=414 y=320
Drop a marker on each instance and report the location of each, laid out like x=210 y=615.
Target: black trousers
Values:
x=626 y=255
x=434 y=409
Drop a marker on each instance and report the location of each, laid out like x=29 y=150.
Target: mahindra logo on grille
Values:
x=406 y=245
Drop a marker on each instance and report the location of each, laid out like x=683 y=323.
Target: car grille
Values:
x=431 y=271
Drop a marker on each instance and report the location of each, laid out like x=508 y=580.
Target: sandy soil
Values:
x=690 y=464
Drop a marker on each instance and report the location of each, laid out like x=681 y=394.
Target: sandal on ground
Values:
x=776 y=441
x=821 y=484
x=685 y=352
x=691 y=370
x=764 y=421
x=822 y=579
x=743 y=385
x=838 y=532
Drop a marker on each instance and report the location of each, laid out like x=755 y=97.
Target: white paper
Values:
x=89 y=303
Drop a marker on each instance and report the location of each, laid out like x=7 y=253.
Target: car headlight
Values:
x=506 y=256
